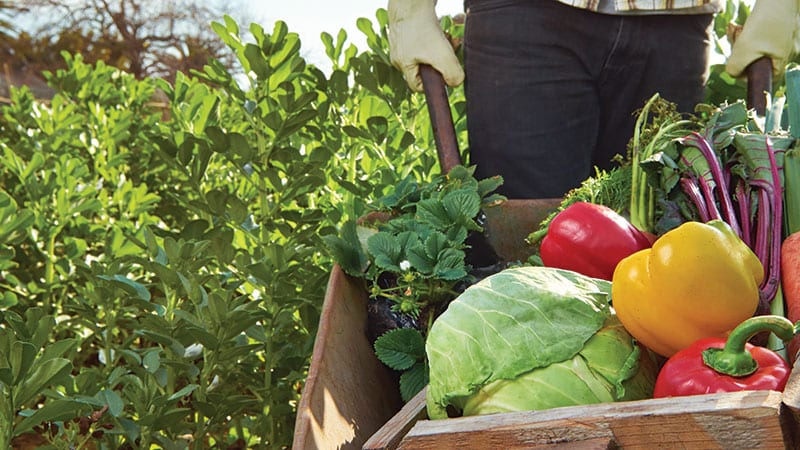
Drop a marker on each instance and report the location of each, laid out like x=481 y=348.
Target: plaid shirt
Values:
x=711 y=6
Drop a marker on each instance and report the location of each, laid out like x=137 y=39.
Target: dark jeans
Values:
x=552 y=89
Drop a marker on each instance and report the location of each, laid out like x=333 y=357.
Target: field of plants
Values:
x=162 y=265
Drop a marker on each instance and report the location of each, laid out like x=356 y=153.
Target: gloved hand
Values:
x=770 y=30
x=416 y=37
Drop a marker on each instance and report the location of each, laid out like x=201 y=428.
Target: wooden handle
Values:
x=441 y=118
x=759 y=80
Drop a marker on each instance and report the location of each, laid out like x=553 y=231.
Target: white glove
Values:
x=771 y=30
x=416 y=37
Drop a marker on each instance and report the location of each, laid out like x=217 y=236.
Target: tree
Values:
x=6 y=28
x=147 y=38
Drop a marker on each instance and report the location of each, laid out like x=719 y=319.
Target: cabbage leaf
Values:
x=529 y=325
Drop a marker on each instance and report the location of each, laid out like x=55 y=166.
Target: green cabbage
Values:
x=532 y=338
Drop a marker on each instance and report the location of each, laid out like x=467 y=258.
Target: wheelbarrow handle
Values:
x=759 y=81
x=441 y=118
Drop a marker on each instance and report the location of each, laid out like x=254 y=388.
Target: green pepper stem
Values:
x=734 y=360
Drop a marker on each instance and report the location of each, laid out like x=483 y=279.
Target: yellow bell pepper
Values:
x=698 y=280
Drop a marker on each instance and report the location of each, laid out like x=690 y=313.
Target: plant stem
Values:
x=7 y=416
x=734 y=359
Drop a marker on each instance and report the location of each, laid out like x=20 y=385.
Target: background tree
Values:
x=5 y=19
x=146 y=38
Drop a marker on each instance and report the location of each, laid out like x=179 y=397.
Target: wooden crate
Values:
x=350 y=400
x=740 y=420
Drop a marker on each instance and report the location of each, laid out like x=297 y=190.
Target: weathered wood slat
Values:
x=741 y=420
x=348 y=394
x=391 y=433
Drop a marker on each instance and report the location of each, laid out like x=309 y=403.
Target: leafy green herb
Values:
x=403 y=349
x=422 y=244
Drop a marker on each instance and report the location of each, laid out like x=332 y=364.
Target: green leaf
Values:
x=413 y=381
x=51 y=411
x=44 y=374
x=186 y=390
x=217 y=201
x=113 y=400
x=258 y=63
x=130 y=286
x=219 y=138
x=385 y=250
x=400 y=348
x=152 y=360
x=462 y=205
x=378 y=127
x=420 y=259
x=21 y=359
x=8 y=299
x=346 y=249
x=450 y=265
x=433 y=211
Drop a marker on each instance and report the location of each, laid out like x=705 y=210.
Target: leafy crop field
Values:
x=162 y=268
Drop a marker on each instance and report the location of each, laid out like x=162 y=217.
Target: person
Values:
x=552 y=86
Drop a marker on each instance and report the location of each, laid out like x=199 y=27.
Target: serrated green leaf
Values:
x=400 y=348
x=450 y=265
x=433 y=212
x=413 y=381
x=489 y=185
x=462 y=205
x=385 y=250
x=347 y=248
x=420 y=260
x=435 y=244
x=457 y=234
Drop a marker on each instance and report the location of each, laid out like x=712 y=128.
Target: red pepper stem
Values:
x=734 y=360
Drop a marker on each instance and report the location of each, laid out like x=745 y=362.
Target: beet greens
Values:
x=722 y=166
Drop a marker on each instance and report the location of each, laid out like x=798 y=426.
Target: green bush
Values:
x=162 y=268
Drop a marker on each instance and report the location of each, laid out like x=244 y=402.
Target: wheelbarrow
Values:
x=351 y=400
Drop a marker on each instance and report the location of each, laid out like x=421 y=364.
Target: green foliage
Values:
x=403 y=349
x=423 y=241
x=176 y=252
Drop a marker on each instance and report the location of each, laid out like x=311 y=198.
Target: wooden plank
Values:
x=751 y=420
x=389 y=436
x=348 y=394
x=791 y=393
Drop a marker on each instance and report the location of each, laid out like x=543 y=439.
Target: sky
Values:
x=309 y=18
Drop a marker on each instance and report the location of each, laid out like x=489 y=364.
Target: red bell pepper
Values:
x=591 y=239
x=718 y=365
